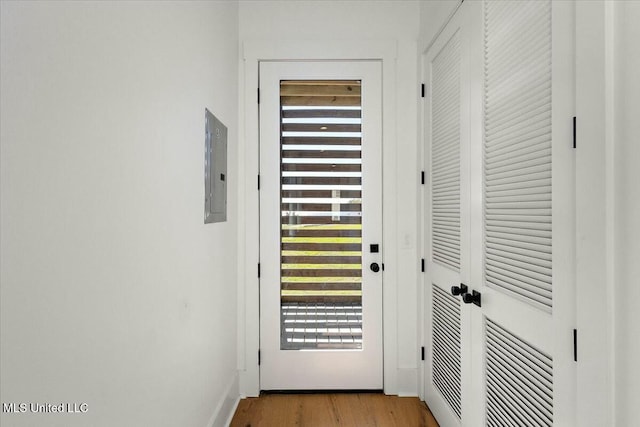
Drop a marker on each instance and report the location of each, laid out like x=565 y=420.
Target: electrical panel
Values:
x=215 y=170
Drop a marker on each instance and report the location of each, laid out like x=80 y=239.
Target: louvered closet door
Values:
x=522 y=354
x=446 y=65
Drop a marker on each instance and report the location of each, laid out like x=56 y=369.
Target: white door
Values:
x=516 y=349
x=320 y=225
x=447 y=218
x=523 y=355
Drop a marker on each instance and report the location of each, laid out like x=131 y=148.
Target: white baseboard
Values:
x=226 y=408
x=232 y=412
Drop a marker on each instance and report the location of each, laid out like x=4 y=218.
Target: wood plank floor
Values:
x=335 y=409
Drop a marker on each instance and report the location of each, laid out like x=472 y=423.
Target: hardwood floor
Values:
x=335 y=409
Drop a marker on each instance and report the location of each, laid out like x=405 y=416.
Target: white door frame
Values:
x=595 y=228
x=248 y=250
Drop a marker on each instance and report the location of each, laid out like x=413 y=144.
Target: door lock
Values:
x=459 y=290
x=474 y=297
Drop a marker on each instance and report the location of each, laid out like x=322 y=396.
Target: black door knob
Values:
x=374 y=267
x=459 y=290
x=474 y=297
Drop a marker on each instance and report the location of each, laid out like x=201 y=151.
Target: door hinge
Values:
x=574 y=132
x=575 y=345
x=258 y=95
x=422 y=177
x=422 y=353
x=422 y=90
x=422 y=265
x=258 y=181
x=258 y=270
x=258 y=357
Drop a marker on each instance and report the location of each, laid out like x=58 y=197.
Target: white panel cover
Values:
x=445 y=154
x=517 y=150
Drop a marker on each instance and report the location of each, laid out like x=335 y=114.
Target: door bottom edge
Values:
x=322 y=391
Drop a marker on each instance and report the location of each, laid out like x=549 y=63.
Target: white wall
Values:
x=608 y=211
x=433 y=15
x=398 y=21
x=114 y=292
x=627 y=211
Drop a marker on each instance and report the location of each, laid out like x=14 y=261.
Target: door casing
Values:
x=397 y=379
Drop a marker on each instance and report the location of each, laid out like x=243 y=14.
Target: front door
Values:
x=320 y=225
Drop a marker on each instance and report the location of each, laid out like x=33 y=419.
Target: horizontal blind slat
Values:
x=321 y=178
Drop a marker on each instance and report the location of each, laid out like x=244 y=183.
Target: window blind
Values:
x=321 y=191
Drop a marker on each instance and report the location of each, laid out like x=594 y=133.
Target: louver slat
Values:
x=445 y=155
x=517 y=150
x=446 y=347
x=519 y=380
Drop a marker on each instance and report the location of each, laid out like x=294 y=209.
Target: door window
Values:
x=321 y=207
